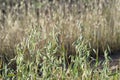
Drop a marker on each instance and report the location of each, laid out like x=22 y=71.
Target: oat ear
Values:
x=58 y=39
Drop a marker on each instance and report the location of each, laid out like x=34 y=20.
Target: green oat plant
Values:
x=41 y=54
x=29 y=58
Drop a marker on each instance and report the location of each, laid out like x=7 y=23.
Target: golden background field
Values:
x=96 y=22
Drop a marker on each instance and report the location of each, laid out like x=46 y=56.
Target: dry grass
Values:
x=96 y=23
x=60 y=29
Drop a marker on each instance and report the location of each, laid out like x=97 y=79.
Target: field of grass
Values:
x=60 y=42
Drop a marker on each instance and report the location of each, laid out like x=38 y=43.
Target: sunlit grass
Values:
x=58 y=44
